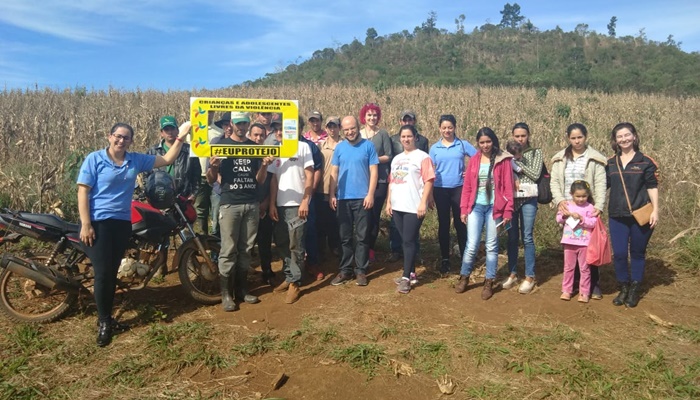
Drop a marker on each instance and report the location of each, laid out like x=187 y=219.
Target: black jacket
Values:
x=640 y=174
x=187 y=170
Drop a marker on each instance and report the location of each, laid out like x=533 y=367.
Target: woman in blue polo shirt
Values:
x=105 y=188
x=448 y=156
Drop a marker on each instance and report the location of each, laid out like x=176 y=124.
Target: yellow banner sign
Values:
x=200 y=107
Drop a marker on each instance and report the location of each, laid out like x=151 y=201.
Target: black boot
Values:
x=624 y=288
x=633 y=295
x=104 y=333
x=240 y=288
x=226 y=299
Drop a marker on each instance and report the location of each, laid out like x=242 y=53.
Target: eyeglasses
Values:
x=120 y=138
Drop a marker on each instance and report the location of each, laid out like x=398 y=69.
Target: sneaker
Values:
x=565 y=296
x=394 y=257
x=372 y=257
x=361 y=280
x=526 y=286
x=583 y=298
x=597 y=293
x=510 y=282
x=413 y=278
x=445 y=266
x=293 y=293
x=340 y=279
x=404 y=286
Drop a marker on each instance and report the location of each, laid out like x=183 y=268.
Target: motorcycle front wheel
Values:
x=24 y=300
x=195 y=276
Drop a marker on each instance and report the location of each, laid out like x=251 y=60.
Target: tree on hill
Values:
x=511 y=17
x=612 y=25
x=493 y=55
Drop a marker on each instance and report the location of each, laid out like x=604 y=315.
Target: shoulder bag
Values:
x=642 y=214
x=544 y=191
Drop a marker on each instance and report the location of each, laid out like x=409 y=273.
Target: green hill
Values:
x=497 y=55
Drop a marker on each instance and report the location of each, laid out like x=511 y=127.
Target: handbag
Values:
x=598 y=252
x=643 y=214
x=544 y=191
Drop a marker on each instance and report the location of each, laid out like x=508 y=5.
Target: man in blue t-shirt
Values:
x=354 y=175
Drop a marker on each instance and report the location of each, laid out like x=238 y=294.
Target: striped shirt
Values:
x=573 y=171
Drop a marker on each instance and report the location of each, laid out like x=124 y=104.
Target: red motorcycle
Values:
x=43 y=287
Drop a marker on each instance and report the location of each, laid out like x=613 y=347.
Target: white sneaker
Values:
x=526 y=286
x=510 y=282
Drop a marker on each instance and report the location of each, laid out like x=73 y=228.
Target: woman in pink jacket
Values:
x=487 y=201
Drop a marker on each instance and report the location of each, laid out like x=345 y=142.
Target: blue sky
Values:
x=180 y=44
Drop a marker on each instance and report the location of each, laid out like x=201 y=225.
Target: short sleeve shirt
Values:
x=409 y=172
x=239 y=183
x=112 y=186
x=449 y=162
x=353 y=162
x=291 y=178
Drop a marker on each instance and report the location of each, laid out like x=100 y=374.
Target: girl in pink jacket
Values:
x=487 y=201
x=577 y=234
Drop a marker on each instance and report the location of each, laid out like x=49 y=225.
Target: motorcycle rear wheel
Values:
x=196 y=278
x=24 y=300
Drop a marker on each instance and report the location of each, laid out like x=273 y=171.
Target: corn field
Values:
x=44 y=135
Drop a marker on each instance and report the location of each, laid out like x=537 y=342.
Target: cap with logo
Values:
x=166 y=121
x=237 y=117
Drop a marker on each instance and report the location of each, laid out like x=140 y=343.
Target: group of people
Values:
x=330 y=196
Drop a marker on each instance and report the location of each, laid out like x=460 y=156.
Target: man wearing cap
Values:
x=407 y=117
x=354 y=169
x=316 y=134
x=206 y=201
x=185 y=171
x=239 y=210
x=326 y=219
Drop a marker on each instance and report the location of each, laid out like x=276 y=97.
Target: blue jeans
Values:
x=522 y=225
x=628 y=238
x=479 y=219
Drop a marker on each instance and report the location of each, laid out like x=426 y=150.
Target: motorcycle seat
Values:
x=51 y=221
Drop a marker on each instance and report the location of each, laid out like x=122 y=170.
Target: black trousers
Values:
x=408 y=225
x=447 y=200
x=379 y=198
x=106 y=253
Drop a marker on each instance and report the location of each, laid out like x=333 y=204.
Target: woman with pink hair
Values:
x=370 y=115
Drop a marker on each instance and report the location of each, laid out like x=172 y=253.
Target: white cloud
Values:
x=89 y=21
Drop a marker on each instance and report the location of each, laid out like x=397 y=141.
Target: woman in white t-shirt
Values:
x=410 y=186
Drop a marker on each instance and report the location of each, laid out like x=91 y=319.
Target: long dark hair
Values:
x=569 y=152
x=522 y=125
x=613 y=136
x=495 y=151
